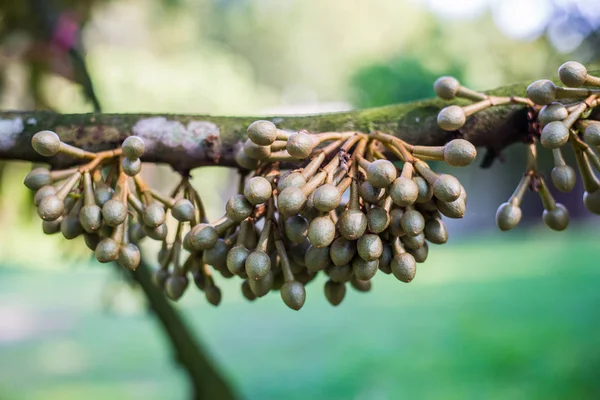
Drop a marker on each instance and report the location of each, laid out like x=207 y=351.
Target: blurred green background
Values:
x=490 y=315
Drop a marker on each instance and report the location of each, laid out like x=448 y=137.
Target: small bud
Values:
x=46 y=143
x=293 y=294
x=381 y=173
x=133 y=147
x=508 y=216
x=572 y=74
x=554 y=135
x=301 y=144
x=183 y=210
x=131 y=167
x=451 y=118
x=446 y=87
x=404 y=267
x=258 y=190
x=263 y=133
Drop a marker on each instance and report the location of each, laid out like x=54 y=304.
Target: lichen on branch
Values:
x=189 y=141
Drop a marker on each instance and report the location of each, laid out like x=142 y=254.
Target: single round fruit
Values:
x=326 y=198
x=369 y=247
x=262 y=132
x=447 y=188
x=107 y=251
x=554 y=135
x=404 y=192
x=317 y=258
x=296 y=228
x=291 y=201
x=508 y=216
x=552 y=112
x=435 y=231
x=425 y=189
x=446 y=87
x=591 y=135
x=203 y=237
x=258 y=265
x=412 y=222
x=459 y=153
x=175 y=286
x=129 y=257
x=114 y=212
x=42 y=192
x=352 y=224
x=293 y=294
x=542 y=92
x=154 y=215
x=381 y=173
x=255 y=151
x=564 y=178
x=572 y=73
x=236 y=259
x=321 y=231
x=364 y=270
x=258 y=190
x=51 y=208
x=292 y=179
x=131 y=167
x=46 y=143
x=342 y=251
x=378 y=219
x=451 y=118
x=335 y=292
x=404 y=267
x=557 y=219
x=90 y=217
x=369 y=193
x=183 y=210
x=133 y=147
x=213 y=295
x=37 y=178
x=238 y=208
x=300 y=144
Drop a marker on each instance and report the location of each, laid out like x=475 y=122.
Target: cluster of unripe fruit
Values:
x=346 y=211
x=563 y=115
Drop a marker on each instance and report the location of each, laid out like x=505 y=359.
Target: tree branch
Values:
x=207 y=382
x=189 y=141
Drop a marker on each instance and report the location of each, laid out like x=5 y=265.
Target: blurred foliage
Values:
x=401 y=80
x=497 y=317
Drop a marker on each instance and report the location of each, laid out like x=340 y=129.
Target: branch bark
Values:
x=189 y=141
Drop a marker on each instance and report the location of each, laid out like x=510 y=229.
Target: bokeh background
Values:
x=489 y=315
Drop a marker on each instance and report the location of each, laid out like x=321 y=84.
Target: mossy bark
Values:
x=189 y=141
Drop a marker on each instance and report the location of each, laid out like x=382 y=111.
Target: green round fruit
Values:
x=258 y=190
x=342 y=251
x=447 y=188
x=564 y=178
x=90 y=217
x=335 y=292
x=364 y=270
x=107 y=251
x=292 y=179
x=425 y=189
x=213 y=295
x=451 y=118
x=435 y=231
x=592 y=201
x=293 y=294
x=508 y=216
x=591 y=135
x=321 y=231
x=46 y=143
x=446 y=87
x=552 y=112
x=404 y=192
x=412 y=222
x=131 y=167
x=261 y=287
x=242 y=159
x=129 y=257
x=42 y=192
x=291 y=201
x=369 y=193
x=203 y=237
x=154 y=215
x=352 y=224
x=554 y=135
x=296 y=228
x=183 y=210
x=175 y=286
x=258 y=265
x=381 y=173
x=114 y=212
x=459 y=153
x=317 y=258
x=572 y=74
x=238 y=208
x=51 y=208
x=158 y=233
x=378 y=219
x=102 y=194
x=236 y=259
x=255 y=151
x=37 y=178
x=133 y=147
x=404 y=267
x=326 y=198
x=369 y=247
x=216 y=255
x=542 y=92
x=263 y=133
x=340 y=273
x=301 y=144
x=557 y=219
x=413 y=242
